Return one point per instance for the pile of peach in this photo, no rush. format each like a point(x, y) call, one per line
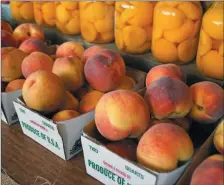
point(160, 120)
point(211, 170)
point(97, 21)
point(175, 31)
point(67, 17)
point(133, 33)
point(210, 59)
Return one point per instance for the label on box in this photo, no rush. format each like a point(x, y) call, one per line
point(40, 129)
point(109, 168)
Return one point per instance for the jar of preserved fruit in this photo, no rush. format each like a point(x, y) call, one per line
point(210, 60)
point(176, 29)
point(44, 12)
point(22, 11)
point(97, 21)
point(133, 26)
point(67, 17)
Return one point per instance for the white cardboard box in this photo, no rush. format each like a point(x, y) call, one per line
point(8, 112)
point(109, 168)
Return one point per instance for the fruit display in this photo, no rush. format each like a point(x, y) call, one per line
point(67, 17)
point(22, 11)
point(133, 26)
point(97, 21)
point(210, 59)
point(176, 28)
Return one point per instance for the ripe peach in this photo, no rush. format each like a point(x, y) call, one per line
point(208, 100)
point(70, 49)
point(163, 146)
point(105, 70)
point(31, 45)
point(7, 39)
point(47, 87)
point(27, 30)
point(89, 101)
point(71, 71)
point(127, 83)
point(70, 103)
point(218, 139)
point(125, 148)
point(120, 114)
point(168, 98)
point(12, 59)
point(170, 70)
point(14, 85)
point(91, 51)
point(209, 172)
point(36, 61)
point(6, 26)
point(65, 115)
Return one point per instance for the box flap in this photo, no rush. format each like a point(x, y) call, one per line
point(3, 115)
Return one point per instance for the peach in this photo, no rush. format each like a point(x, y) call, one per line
point(209, 172)
point(71, 71)
point(89, 101)
point(36, 61)
point(125, 148)
point(27, 30)
point(163, 146)
point(47, 87)
point(218, 139)
point(168, 98)
point(12, 59)
point(170, 70)
point(81, 92)
point(65, 115)
point(208, 102)
point(105, 70)
point(70, 49)
point(127, 83)
point(14, 85)
point(6, 26)
point(70, 103)
point(90, 52)
point(7, 39)
point(31, 45)
point(120, 114)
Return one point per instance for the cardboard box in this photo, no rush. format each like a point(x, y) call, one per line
point(110, 168)
point(8, 112)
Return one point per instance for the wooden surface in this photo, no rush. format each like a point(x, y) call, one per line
point(28, 163)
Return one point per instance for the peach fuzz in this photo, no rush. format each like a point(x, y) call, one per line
point(90, 52)
point(6, 26)
point(105, 70)
point(209, 172)
point(7, 39)
point(170, 70)
point(127, 83)
point(168, 98)
point(70, 103)
point(31, 45)
point(36, 61)
point(12, 59)
point(125, 148)
point(71, 71)
point(218, 139)
point(15, 85)
point(70, 49)
point(89, 101)
point(208, 102)
point(120, 114)
point(163, 146)
point(27, 30)
point(47, 87)
point(65, 115)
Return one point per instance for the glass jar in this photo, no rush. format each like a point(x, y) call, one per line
point(97, 21)
point(22, 11)
point(44, 13)
point(210, 49)
point(67, 17)
point(175, 31)
point(133, 32)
